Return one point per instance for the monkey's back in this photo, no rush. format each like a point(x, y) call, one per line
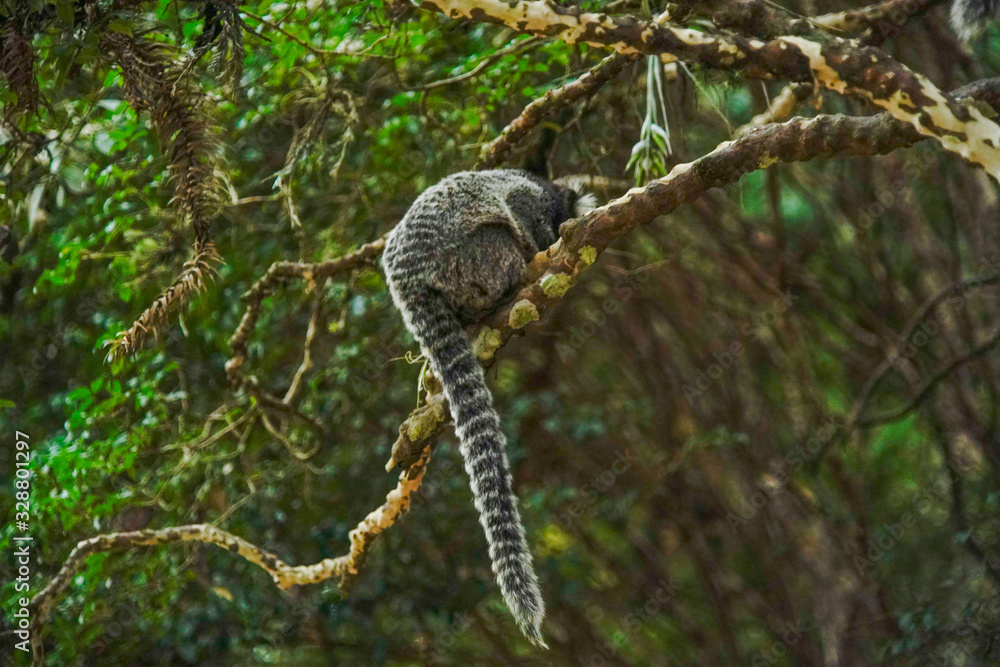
point(445, 215)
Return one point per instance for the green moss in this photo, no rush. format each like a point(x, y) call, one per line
point(421, 425)
point(556, 284)
point(486, 343)
point(523, 312)
point(588, 255)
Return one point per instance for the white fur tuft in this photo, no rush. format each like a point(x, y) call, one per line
point(585, 203)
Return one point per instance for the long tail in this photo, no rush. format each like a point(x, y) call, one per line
point(483, 445)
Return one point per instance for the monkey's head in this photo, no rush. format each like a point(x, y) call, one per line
point(575, 201)
point(567, 200)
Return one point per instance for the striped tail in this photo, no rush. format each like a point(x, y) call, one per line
point(432, 321)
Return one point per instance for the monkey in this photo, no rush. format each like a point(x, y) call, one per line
point(458, 253)
point(969, 17)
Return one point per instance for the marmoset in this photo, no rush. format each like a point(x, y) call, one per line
point(460, 251)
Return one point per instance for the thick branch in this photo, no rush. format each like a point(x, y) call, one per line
point(884, 19)
point(780, 109)
point(556, 270)
point(552, 274)
point(836, 64)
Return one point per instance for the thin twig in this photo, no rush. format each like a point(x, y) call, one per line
point(915, 320)
point(979, 351)
point(489, 60)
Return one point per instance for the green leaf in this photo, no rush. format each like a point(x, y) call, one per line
point(120, 25)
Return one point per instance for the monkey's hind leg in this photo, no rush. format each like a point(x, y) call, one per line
point(482, 273)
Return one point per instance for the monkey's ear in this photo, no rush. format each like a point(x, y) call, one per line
point(575, 201)
point(585, 203)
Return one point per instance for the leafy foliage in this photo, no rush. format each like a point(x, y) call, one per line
point(661, 420)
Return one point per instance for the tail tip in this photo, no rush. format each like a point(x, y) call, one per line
point(529, 619)
point(532, 630)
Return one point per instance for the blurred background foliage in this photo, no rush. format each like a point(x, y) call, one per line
point(663, 420)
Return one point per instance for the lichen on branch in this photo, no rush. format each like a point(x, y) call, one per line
point(839, 65)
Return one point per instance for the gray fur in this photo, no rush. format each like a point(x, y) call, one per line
point(458, 252)
point(969, 17)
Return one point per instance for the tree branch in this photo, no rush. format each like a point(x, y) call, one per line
point(278, 272)
point(836, 64)
point(883, 19)
point(495, 153)
point(556, 270)
point(904, 335)
point(551, 275)
point(344, 568)
point(975, 353)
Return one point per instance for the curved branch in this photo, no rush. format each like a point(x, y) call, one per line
point(552, 275)
point(904, 335)
point(836, 64)
point(928, 388)
point(495, 152)
point(278, 272)
point(344, 568)
point(554, 271)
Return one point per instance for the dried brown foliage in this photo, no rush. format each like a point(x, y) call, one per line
point(17, 64)
point(155, 318)
point(153, 84)
point(223, 29)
